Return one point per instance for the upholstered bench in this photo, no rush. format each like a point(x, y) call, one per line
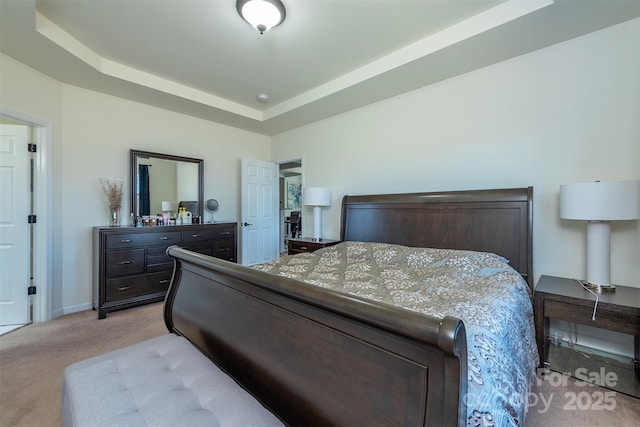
point(165, 381)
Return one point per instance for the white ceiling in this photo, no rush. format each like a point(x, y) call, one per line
point(329, 56)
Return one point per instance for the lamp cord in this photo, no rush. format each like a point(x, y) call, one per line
point(595, 306)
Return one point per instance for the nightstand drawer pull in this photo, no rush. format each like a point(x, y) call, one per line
point(224, 250)
point(164, 238)
point(196, 235)
point(126, 262)
point(124, 288)
point(125, 241)
point(304, 248)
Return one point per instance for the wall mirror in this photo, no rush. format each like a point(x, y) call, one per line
point(159, 182)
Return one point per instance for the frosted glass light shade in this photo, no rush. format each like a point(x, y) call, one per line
point(316, 196)
point(600, 201)
point(261, 14)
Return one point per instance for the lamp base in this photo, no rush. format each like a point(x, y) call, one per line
point(598, 288)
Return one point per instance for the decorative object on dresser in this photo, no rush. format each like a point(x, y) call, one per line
point(212, 205)
point(598, 203)
point(316, 197)
point(306, 244)
point(130, 265)
point(113, 191)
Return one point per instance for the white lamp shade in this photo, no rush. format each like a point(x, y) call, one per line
point(168, 206)
point(316, 196)
point(600, 201)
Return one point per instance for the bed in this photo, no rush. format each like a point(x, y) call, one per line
point(315, 355)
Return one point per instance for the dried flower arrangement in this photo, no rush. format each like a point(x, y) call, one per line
point(113, 191)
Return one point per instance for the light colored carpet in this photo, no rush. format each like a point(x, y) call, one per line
point(32, 360)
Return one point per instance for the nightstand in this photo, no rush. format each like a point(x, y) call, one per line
point(564, 299)
point(307, 244)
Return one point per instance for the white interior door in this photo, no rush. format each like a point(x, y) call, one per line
point(14, 229)
point(259, 212)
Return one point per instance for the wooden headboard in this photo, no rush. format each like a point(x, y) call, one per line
point(498, 221)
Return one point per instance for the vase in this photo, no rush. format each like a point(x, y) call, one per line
point(114, 216)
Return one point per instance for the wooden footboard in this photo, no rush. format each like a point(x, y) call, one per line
point(315, 356)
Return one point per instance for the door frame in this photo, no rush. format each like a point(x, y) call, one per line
point(43, 207)
point(302, 166)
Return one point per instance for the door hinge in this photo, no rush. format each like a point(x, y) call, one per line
point(31, 290)
point(31, 219)
point(33, 148)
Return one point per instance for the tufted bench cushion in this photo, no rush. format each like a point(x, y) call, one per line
point(164, 381)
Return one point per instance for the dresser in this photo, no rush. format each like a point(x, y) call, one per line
point(131, 267)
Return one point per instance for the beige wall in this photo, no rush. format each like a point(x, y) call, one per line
point(567, 113)
point(92, 136)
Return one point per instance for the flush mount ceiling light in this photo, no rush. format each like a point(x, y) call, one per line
point(261, 14)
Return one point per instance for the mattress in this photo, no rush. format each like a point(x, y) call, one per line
point(481, 289)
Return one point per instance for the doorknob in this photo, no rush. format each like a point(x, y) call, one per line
point(246, 224)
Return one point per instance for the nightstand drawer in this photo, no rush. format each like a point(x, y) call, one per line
point(303, 246)
point(581, 313)
point(306, 244)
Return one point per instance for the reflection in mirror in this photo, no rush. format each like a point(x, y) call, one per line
point(159, 182)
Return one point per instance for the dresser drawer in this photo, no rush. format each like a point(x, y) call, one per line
point(124, 263)
point(158, 260)
point(130, 287)
point(122, 241)
point(204, 247)
point(207, 234)
point(225, 249)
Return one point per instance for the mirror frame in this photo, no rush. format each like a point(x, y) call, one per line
point(135, 154)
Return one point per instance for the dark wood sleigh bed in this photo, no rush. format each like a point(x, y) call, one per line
point(319, 357)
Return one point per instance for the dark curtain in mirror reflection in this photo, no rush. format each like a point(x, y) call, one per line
point(145, 204)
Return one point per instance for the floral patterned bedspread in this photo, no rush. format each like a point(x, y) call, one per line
point(481, 289)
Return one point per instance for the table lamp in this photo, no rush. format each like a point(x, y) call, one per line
point(169, 207)
point(598, 203)
point(316, 197)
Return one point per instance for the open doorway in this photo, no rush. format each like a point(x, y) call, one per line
point(291, 184)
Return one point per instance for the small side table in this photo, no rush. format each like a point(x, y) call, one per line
point(564, 299)
point(307, 244)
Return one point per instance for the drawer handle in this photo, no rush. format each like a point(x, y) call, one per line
point(304, 248)
point(196, 235)
point(125, 262)
point(124, 288)
point(225, 233)
point(165, 238)
point(162, 282)
point(224, 249)
point(125, 241)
